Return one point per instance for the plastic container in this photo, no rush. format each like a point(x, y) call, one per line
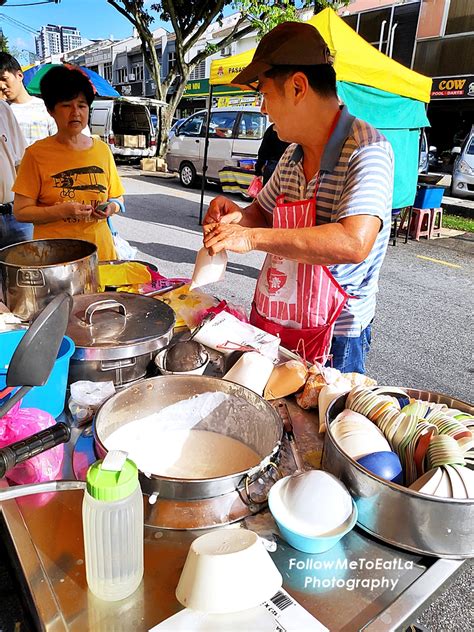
point(428, 196)
point(52, 395)
point(112, 517)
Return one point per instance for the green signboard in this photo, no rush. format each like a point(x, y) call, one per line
point(200, 88)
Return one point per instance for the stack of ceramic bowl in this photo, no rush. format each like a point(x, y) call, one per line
point(357, 435)
point(447, 481)
point(313, 510)
point(424, 435)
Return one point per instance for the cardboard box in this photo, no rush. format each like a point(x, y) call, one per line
point(148, 164)
point(135, 141)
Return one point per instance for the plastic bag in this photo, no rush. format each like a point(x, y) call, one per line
point(20, 423)
point(208, 268)
point(86, 397)
point(124, 249)
point(255, 186)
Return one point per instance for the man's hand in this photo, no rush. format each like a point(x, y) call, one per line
point(224, 211)
point(233, 237)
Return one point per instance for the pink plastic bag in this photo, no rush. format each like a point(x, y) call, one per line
point(20, 423)
point(255, 186)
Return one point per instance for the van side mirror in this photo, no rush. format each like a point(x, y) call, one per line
point(456, 150)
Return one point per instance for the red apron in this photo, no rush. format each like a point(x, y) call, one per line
point(298, 302)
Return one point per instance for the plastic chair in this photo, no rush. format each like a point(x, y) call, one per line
point(436, 221)
point(420, 223)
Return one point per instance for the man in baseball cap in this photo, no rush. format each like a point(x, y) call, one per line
point(324, 216)
point(290, 43)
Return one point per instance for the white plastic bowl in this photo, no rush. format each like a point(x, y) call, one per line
point(227, 570)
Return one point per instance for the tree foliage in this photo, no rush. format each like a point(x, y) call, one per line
point(189, 20)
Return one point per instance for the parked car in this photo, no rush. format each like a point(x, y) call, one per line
point(125, 125)
point(462, 184)
point(234, 134)
point(423, 164)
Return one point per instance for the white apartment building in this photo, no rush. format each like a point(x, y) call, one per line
point(55, 39)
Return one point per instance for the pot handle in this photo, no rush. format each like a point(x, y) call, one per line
point(40, 442)
point(100, 306)
point(252, 499)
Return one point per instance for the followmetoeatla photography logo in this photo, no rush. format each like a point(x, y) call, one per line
point(358, 573)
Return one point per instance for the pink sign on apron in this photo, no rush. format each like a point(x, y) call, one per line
point(297, 301)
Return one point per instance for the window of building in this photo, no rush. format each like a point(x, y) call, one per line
point(137, 73)
point(460, 17)
point(122, 75)
point(108, 72)
point(171, 59)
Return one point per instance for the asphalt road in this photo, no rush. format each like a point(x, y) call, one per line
point(423, 332)
point(424, 321)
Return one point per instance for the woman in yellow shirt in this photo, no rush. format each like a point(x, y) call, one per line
point(67, 184)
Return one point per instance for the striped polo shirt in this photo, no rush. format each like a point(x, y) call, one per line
point(356, 178)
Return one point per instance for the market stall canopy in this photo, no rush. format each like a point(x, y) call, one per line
point(374, 87)
point(32, 76)
point(356, 61)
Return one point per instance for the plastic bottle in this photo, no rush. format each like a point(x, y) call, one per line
point(112, 517)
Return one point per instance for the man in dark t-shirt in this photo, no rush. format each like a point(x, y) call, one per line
point(270, 152)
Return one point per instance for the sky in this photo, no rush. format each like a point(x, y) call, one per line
point(95, 19)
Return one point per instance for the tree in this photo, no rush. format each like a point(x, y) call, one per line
point(189, 20)
point(3, 43)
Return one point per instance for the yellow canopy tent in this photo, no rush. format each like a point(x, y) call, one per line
point(356, 61)
point(375, 88)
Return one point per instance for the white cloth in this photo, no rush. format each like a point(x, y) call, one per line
point(12, 147)
point(34, 120)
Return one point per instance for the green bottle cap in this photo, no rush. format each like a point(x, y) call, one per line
point(104, 483)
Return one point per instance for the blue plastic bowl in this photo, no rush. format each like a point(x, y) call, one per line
point(51, 396)
point(317, 543)
point(383, 464)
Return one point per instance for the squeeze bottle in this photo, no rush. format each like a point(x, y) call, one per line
point(112, 518)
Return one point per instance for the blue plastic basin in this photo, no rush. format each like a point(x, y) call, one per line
point(52, 395)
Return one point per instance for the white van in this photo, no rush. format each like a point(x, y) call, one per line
point(125, 125)
point(235, 134)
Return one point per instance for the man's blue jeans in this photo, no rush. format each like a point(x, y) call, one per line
point(11, 231)
point(349, 354)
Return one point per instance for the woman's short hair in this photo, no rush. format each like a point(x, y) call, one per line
point(62, 83)
point(321, 78)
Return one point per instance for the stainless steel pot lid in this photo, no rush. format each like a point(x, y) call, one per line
point(116, 325)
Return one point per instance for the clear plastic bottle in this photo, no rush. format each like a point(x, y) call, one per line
point(112, 517)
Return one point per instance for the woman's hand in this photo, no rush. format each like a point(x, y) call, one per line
point(224, 211)
point(104, 210)
point(75, 210)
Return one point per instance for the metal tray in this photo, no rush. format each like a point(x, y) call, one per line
point(395, 514)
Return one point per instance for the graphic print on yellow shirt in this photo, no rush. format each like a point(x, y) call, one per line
point(53, 174)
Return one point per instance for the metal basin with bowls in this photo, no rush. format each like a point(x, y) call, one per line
point(34, 272)
point(430, 525)
point(256, 424)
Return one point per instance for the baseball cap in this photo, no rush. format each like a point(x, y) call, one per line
point(288, 44)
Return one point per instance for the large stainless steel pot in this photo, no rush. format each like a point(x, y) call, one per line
point(426, 524)
point(259, 427)
point(117, 335)
point(34, 272)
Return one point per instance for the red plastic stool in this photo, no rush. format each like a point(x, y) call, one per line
point(420, 223)
point(436, 221)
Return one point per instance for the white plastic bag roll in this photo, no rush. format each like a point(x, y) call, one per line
point(252, 370)
point(207, 268)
